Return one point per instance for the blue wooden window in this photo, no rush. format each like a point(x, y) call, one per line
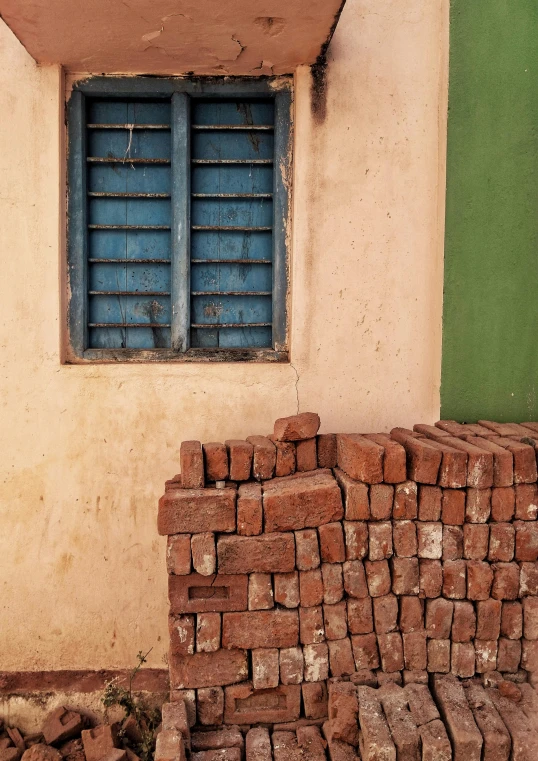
point(178, 214)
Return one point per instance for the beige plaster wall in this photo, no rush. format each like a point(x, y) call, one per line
point(85, 449)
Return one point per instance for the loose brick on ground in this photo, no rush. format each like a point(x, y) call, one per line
point(169, 747)
point(228, 737)
point(524, 737)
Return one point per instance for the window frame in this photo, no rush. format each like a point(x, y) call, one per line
point(179, 90)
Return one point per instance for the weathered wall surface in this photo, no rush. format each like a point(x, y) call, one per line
point(85, 450)
point(490, 362)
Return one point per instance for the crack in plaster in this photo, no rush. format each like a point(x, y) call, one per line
point(296, 385)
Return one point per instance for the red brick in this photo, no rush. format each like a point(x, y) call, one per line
point(311, 625)
point(326, 450)
point(525, 471)
point(430, 578)
point(479, 579)
point(503, 461)
point(204, 556)
point(381, 501)
point(429, 503)
point(411, 614)
point(439, 614)
point(359, 616)
point(333, 583)
point(261, 628)
point(391, 651)
point(297, 427)
point(394, 677)
point(188, 697)
point(364, 677)
point(207, 632)
point(196, 511)
point(460, 429)
point(463, 659)
point(478, 505)
point(530, 619)
point(438, 656)
point(405, 538)
point(331, 543)
point(240, 458)
point(454, 579)
point(178, 554)
point(405, 576)
point(218, 739)
point(415, 653)
point(463, 622)
point(355, 583)
point(377, 575)
point(528, 584)
point(311, 587)
point(385, 613)
point(423, 459)
point(501, 542)
point(208, 669)
point(268, 553)
point(475, 541)
point(453, 507)
point(503, 501)
point(380, 540)
point(452, 542)
point(356, 539)
point(316, 662)
point(304, 502)
point(529, 654)
point(170, 746)
point(522, 731)
point(526, 541)
point(360, 458)
point(174, 716)
point(207, 594)
point(430, 540)
point(59, 725)
point(216, 461)
point(249, 510)
point(402, 726)
point(485, 655)
point(526, 502)
point(365, 651)
point(192, 465)
point(285, 464)
point(265, 671)
point(244, 705)
point(315, 701)
point(479, 463)
point(508, 655)
point(488, 619)
point(291, 665)
point(260, 591)
point(512, 620)
point(464, 734)
point(394, 458)
point(340, 657)
point(453, 469)
point(307, 549)
point(496, 738)
point(375, 741)
point(264, 457)
point(355, 494)
point(334, 617)
point(343, 713)
point(421, 704)
point(405, 501)
point(287, 589)
point(306, 455)
point(505, 581)
point(499, 429)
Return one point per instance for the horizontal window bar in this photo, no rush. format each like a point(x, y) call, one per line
point(129, 227)
point(230, 261)
point(128, 324)
point(122, 160)
point(233, 126)
point(128, 126)
point(223, 228)
point(129, 261)
point(232, 195)
point(94, 194)
point(129, 293)
point(232, 161)
point(218, 325)
point(231, 293)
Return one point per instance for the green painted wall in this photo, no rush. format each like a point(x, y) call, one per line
point(490, 330)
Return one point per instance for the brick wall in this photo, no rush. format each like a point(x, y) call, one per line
point(298, 558)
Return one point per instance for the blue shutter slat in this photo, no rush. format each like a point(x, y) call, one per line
point(131, 280)
point(207, 244)
point(252, 212)
point(231, 277)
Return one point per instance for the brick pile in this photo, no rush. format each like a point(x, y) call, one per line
point(301, 559)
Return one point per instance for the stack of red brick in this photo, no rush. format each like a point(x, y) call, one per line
point(299, 557)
